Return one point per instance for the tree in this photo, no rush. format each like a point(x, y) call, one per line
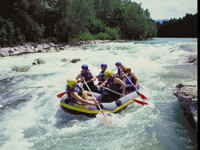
point(182, 27)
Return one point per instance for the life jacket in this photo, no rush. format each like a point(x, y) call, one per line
point(87, 76)
point(114, 87)
point(131, 79)
point(76, 89)
point(102, 76)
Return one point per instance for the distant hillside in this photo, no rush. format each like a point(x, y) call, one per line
point(182, 27)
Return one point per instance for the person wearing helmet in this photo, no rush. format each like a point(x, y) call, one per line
point(75, 92)
point(114, 84)
point(88, 77)
point(131, 77)
point(101, 76)
point(120, 68)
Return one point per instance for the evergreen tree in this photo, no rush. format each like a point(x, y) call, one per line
point(182, 27)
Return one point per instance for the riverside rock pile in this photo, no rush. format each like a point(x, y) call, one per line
point(32, 48)
point(187, 97)
point(43, 47)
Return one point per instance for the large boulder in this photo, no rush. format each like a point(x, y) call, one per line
point(38, 61)
point(187, 97)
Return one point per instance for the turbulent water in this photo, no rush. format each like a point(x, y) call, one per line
point(31, 117)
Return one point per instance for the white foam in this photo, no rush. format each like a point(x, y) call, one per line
point(42, 112)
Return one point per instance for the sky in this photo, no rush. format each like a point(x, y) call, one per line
point(167, 9)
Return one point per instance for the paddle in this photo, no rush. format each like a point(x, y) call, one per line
point(98, 104)
point(61, 94)
point(137, 101)
point(141, 95)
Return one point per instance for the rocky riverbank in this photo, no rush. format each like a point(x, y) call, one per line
point(43, 47)
point(188, 99)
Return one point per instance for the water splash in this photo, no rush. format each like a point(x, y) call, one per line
point(34, 119)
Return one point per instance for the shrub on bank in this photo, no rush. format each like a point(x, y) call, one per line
point(85, 36)
point(113, 33)
point(103, 36)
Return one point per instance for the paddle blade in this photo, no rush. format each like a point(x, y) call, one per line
point(61, 94)
point(105, 118)
point(142, 96)
point(140, 102)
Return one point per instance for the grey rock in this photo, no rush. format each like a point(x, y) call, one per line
point(4, 53)
point(188, 99)
point(10, 52)
point(62, 48)
point(192, 59)
point(38, 61)
point(20, 69)
point(67, 46)
point(45, 45)
point(64, 60)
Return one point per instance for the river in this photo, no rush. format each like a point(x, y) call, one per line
point(31, 117)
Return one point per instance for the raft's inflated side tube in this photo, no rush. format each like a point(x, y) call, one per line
point(76, 107)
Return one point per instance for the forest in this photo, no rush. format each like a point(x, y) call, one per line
point(37, 21)
point(182, 27)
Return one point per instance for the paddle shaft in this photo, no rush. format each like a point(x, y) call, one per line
point(115, 92)
point(129, 80)
point(98, 104)
point(84, 83)
point(141, 95)
point(137, 101)
point(92, 95)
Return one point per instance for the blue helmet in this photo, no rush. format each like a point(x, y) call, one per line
point(104, 65)
point(118, 63)
point(85, 67)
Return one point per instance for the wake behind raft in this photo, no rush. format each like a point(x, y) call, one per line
point(75, 107)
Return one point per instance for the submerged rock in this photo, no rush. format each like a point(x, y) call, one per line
point(75, 60)
point(187, 97)
point(20, 69)
point(38, 61)
point(192, 59)
point(63, 60)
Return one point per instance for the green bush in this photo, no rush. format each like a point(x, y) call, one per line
point(113, 33)
point(103, 36)
point(84, 36)
point(87, 36)
point(97, 26)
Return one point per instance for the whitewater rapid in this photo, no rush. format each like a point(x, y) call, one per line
point(31, 117)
